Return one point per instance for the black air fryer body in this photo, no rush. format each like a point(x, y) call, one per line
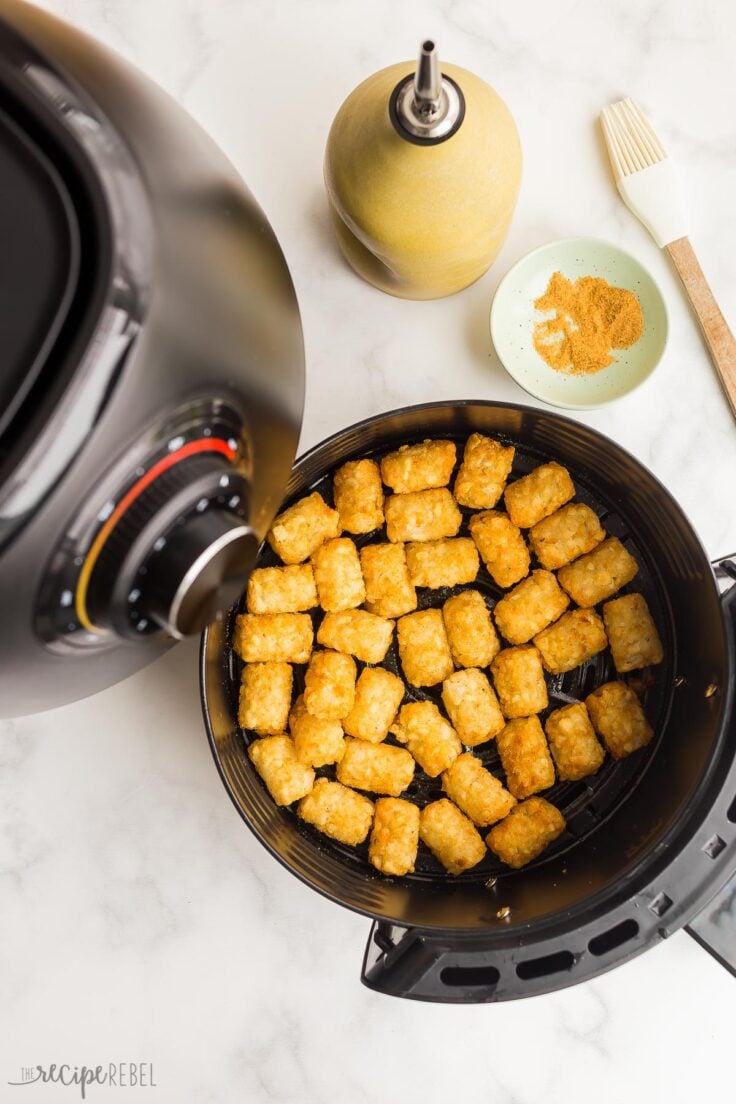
point(151, 385)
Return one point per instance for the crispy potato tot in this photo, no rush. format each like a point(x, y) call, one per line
point(619, 719)
point(423, 648)
point(451, 837)
point(470, 632)
point(530, 607)
point(483, 472)
point(538, 494)
point(422, 516)
point(273, 637)
point(525, 757)
point(395, 836)
point(357, 632)
point(519, 681)
point(302, 528)
point(337, 811)
point(317, 740)
point(338, 576)
point(573, 743)
point(429, 737)
point(281, 589)
point(286, 779)
point(388, 589)
point(378, 695)
point(528, 829)
point(442, 563)
point(380, 768)
point(265, 698)
point(593, 578)
point(559, 539)
point(501, 546)
point(419, 467)
point(472, 706)
point(632, 633)
point(329, 685)
point(475, 790)
point(359, 496)
point(576, 637)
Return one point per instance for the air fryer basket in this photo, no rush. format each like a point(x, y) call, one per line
point(632, 861)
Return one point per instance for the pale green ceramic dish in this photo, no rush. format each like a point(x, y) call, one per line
point(513, 317)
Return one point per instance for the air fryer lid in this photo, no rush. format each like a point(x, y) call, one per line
point(39, 261)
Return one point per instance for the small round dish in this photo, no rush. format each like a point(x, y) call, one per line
point(513, 317)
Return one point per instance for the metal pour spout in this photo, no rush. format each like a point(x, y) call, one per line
point(427, 108)
point(427, 81)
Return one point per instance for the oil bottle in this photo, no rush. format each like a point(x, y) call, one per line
point(422, 170)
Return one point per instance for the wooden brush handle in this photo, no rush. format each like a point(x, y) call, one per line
point(718, 337)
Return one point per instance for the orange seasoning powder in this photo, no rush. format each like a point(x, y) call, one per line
point(590, 318)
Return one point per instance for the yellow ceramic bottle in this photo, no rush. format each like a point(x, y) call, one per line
point(422, 171)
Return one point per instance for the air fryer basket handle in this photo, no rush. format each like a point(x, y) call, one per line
point(715, 927)
point(422, 965)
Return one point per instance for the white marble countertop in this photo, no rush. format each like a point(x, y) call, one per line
point(140, 920)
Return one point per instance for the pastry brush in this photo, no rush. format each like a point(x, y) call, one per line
point(647, 181)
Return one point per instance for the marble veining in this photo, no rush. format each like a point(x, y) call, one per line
point(139, 919)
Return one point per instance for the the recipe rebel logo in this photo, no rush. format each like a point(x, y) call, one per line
point(118, 1075)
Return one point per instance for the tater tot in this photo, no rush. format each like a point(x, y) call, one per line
point(470, 632)
point(357, 632)
point(285, 777)
point(317, 741)
point(519, 681)
point(528, 829)
point(303, 527)
point(338, 576)
point(378, 695)
point(265, 697)
point(501, 546)
point(568, 533)
point(593, 578)
point(429, 737)
point(422, 516)
point(618, 718)
point(525, 757)
point(423, 648)
point(442, 563)
point(329, 685)
point(576, 637)
point(339, 812)
point(279, 637)
point(359, 496)
point(395, 836)
point(530, 607)
point(475, 790)
point(389, 591)
point(419, 467)
point(483, 473)
point(472, 706)
point(573, 743)
point(281, 589)
point(452, 838)
point(632, 633)
point(538, 494)
point(380, 768)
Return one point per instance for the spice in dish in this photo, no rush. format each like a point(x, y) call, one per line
point(591, 317)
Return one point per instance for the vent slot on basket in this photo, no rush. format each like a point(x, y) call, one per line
point(543, 967)
point(460, 976)
point(614, 937)
point(731, 813)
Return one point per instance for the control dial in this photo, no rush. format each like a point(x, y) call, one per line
point(177, 556)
